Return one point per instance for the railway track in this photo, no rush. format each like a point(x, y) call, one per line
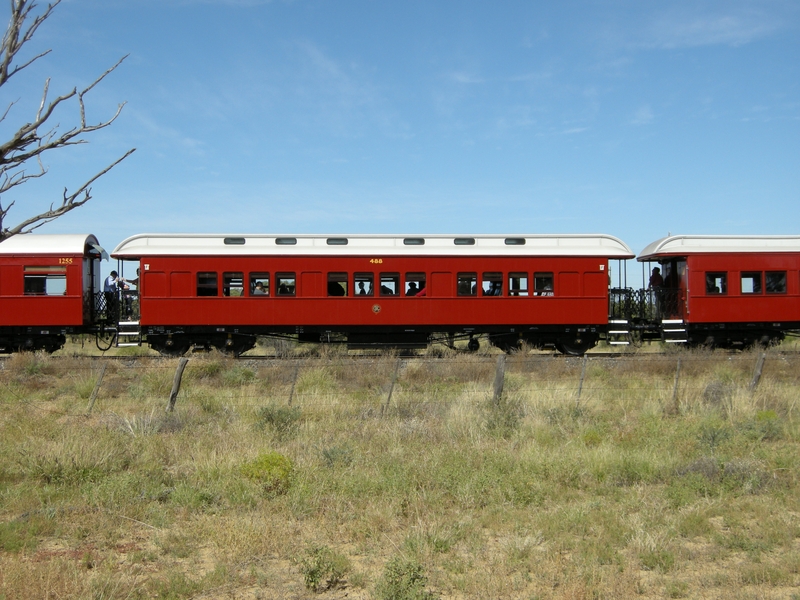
point(400, 355)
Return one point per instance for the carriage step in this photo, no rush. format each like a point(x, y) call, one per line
point(619, 334)
point(673, 331)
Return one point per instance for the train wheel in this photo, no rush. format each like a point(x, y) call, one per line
point(574, 347)
point(506, 343)
point(473, 345)
point(53, 343)
point(174, 351)
point(174, 347)
point(234, 345)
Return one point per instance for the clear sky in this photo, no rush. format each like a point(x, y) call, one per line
point(634, 118)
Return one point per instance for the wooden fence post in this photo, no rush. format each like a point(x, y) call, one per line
point(757, 371)
point(294, 381)
point(96, 389)
point(580, 383)
point(499, 378)
point(391, 387)
point(176, 384)
point(675, 386)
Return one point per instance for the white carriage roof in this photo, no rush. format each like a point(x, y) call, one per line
point(676, 245)
point(378, 245)
point(50, 244)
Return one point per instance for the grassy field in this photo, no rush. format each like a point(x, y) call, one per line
point(634, 477)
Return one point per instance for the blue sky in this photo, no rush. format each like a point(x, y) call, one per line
point(633, 118)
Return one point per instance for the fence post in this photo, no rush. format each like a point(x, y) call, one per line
point(96, 389)
point(580, 383)
point(176, 384)
point(757, 372)
point(499, 378)
point(391, 387)
point(675, 386)
point(294, 381)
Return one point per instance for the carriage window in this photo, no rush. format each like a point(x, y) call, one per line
point(207, 284)
point(45, 281)
point(543, 284)
point(415, 283)
point(776, 282)
point(286, 284)
point(337, 284)
point(390, 284)
point(716, 283)
point(233, 284)
point(751, 283)
point(363, 284)
point(492, 284)
point(517, 284)
point(467, 284)
point(259, 284)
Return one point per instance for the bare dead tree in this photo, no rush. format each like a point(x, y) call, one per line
point(21, 156)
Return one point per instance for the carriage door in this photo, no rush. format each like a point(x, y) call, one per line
point(674, 290)
point(91, 287)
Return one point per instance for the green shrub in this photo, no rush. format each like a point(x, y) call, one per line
point(503, 417)
point(323, 568)
point(658, 560)
point(238, 376)
point(282, 420)
point(272, 470)
point(337, 456)
point(403, 579)
point(767, 427)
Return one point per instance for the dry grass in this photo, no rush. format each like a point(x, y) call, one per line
point(636, 488)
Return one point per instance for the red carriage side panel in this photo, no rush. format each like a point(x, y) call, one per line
point(221, 290)
point(48, 287)
point(743, 288)
point(580, 294)
point(41, 290)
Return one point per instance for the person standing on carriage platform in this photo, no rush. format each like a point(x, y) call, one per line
point(657, 285)
point(111, 292)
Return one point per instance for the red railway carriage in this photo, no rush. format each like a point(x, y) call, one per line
point(727, 291)
point(48, 287)
point(371, 290)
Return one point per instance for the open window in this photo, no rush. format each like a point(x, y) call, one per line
point(467, 284)
point(45, 281)
point(543, 284)
point(286, 284)
point(776, 282)
point(517, 284)
point(716, 283)
point(415, 283)
point(337, 284)
point(364, 284)
point(259, 284)
point(390, 284)
point(751, 283)
point(233, 284)
point(492, 284)
point(207, 284)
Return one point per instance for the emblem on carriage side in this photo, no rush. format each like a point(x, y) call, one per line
point(376, 308)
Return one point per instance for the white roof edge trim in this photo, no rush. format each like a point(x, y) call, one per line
point(53, 243)
point(707, 244)
point(161, 244)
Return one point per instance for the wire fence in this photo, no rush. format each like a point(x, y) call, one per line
point(82, 385)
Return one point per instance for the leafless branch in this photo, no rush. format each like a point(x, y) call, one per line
point(68, 202)
point(21, 155)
